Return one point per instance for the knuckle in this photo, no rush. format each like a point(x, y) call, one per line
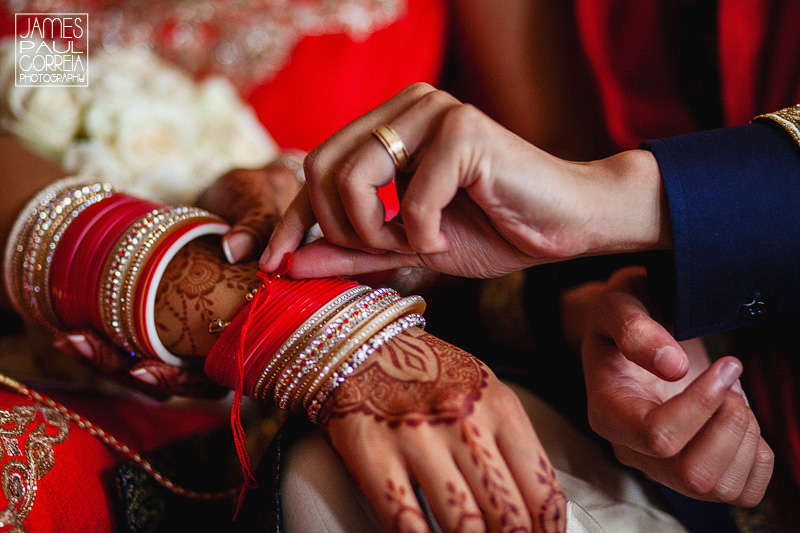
point(737, 417)
point(313, 165)
point(418, 90)
point(632, 329)
point(463, 121)
point(765, 457)
point(434, 100)
point(414, 210)
point(728, 490)
point(661, 440)
point(506, 402)
point(698, 480)
point(347, 175)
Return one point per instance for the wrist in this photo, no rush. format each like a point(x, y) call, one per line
point(634, 215)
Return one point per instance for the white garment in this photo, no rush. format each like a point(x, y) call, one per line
point(317, 495)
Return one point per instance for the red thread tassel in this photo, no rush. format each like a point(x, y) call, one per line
point(261, 299)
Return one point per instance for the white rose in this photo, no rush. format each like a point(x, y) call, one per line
point(138, 72)
point(231, 128)
point(47, 118)
point(97, 160)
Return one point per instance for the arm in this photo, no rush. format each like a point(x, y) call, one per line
point(733, 197)
point(441, 419)
point(23, 173)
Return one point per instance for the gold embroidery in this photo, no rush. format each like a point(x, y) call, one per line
point(27, 456)
point(247, 41)
point(789, 120)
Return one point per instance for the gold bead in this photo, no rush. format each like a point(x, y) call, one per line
point(216, 326)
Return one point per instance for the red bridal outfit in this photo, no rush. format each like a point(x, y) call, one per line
point(307, 68)
point(665, 68)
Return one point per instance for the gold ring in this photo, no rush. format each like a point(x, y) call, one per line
point(393, 144)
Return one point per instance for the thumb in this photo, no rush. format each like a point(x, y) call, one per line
point(289, 232)
point(321, 258)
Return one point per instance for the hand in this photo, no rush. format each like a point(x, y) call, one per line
point(477, 200)
point(252, 201)
point(423, 412)
point(152, 377)
point(696, 435)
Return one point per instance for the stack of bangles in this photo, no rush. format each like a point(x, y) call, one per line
point(82, 255)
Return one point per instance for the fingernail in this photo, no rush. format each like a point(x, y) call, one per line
point(729, 373)
point(237, 246)
point(668, 361)
point(266, 255)
point(737, 387)
point(142, 374)
point(80, 343)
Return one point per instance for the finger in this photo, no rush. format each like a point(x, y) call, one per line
point(369, 167)
point(535, 478)
point(385, 483)
point(289, 232)
point(448, 494)
point(322, 164)
point(664, 430)
point(166, 379)
point(321, 259)
point(491, 481)
point(443, 168)
point(759, 477)
point(627, 321)
point(104, 356)
point(240, 243)
point(704, 461)
point(732, 482)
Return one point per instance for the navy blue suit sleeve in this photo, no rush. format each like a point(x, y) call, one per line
point(734, 204)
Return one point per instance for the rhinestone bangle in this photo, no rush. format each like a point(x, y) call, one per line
point(293, 344)
point(410, 304)
point(359, 357)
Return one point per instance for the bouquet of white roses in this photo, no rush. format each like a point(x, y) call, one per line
point(141, 124)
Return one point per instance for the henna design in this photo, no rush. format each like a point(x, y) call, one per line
point(458, 499)
point(396, 495)
point(197, 287)
point(551, 519)
point(415, 378)
point(492, 478)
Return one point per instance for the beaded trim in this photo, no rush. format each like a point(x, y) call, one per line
point(788, 118)
point(359, 356)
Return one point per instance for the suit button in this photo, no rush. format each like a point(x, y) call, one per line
point(755, 308)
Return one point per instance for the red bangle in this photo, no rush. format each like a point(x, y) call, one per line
point(274, 332)
point(146, 291)
point(73, 271)
point(267, 331)
point(99, 250)
point(64, 256)
point(292, 320)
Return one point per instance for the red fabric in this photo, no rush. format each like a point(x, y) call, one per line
point(626, 45)
point(74, 495)
point(332, 80)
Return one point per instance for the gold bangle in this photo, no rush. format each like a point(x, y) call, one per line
point(788, 118)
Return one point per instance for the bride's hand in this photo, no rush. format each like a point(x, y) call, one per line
point(422, 412)
point(252, 201)
point(152, 377)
